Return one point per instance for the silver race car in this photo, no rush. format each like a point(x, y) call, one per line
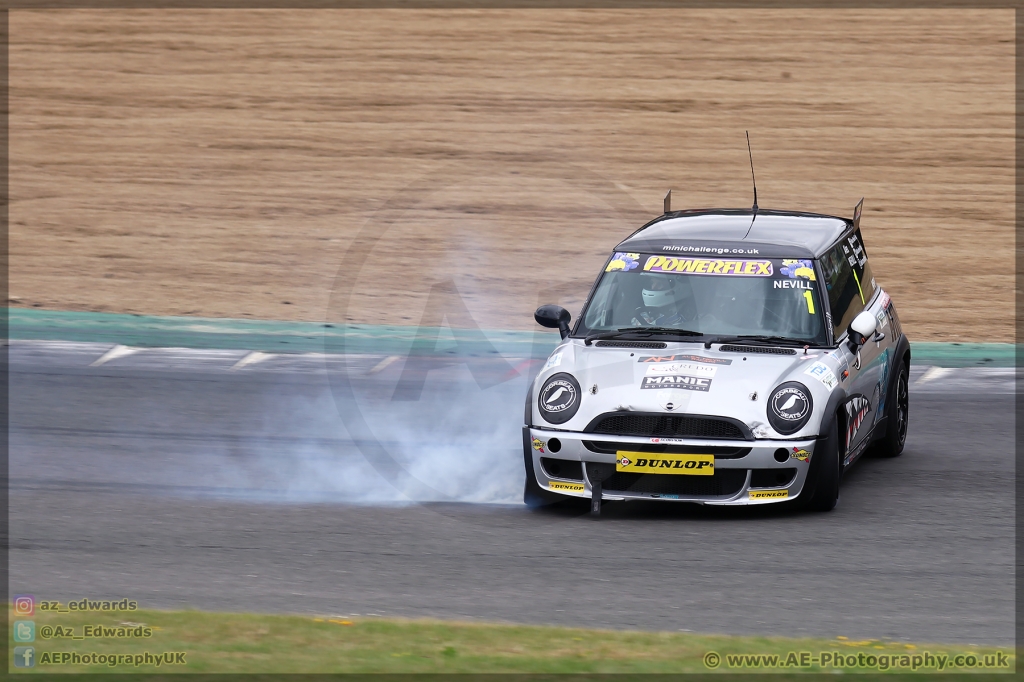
point(727, 357)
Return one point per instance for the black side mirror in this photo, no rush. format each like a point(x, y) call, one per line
point(553, 317)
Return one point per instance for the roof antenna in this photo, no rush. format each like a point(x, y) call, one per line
point(752, 180)
point(668, 202)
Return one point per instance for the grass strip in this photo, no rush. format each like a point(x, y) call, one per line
point(276, 644)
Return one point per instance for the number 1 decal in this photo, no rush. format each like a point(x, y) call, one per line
point(810, 303)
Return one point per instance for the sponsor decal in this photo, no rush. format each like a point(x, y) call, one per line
point(793, 284)
point(538, 445)
point(709, 266)
point(790, 404)
point(883, 382)
point(711, 249)
point(677, 381)
point(667, 440)
point(789, 407)
point(681, 368)
point(824, 374)
point(559, 396)
point(554, 361)
point(559, 399)
point(647, 463)
point(795, 269)
point(858, 250)
point(684, 358)
point(562, 486)
point(882, 318)
point(856, 409)
point(768, 494)
point(800, 454)
point(884, 299)
point(623, 261)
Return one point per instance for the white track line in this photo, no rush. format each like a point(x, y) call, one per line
point(934, 373)
point(383, 364)
point(114, 353)
point(251, 359)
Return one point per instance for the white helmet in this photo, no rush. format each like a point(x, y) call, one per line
point(659, 291)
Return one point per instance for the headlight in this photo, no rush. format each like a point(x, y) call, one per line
point(559, 398)
point(789, 407)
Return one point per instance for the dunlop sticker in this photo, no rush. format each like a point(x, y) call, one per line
point(768, 494)
point(648, 463)
point(566, 487)
point(709, 266)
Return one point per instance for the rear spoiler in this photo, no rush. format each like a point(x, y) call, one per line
point(856, 213)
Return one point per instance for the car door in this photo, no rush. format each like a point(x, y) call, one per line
point(852, 289)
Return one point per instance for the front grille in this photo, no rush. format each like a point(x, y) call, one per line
point(632, 344)
point(653, 425)
point(758, 349)
point(611, 447)
point(562, 468)
point(723, 483)
point(771, 478)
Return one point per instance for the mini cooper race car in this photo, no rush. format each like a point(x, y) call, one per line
point(726, 357)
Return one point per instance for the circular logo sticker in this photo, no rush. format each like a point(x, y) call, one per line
point(625, 461)
point(559, 398)
point(789, 408)
point(790, 404)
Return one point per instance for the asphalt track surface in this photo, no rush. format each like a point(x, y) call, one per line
point(170, 478)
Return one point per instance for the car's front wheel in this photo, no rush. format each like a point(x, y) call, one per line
point(821, 489)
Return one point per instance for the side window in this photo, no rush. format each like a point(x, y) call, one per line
point(849, 281)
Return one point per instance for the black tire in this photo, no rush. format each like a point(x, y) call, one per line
point(898, 416)
point(533, 494)
point(821, 489)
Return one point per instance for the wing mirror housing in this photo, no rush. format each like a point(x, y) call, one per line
point(554, 317)
point(861, 328)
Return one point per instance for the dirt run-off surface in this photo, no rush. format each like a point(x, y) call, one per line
point(221, 163)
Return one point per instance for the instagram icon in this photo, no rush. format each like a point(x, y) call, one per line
point(24, 605)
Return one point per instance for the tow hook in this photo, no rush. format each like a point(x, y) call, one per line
point(598, 473)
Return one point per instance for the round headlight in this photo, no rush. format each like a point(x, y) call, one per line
point(559, 398)
point(789, 407)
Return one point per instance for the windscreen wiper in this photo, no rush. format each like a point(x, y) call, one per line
point(640, 331)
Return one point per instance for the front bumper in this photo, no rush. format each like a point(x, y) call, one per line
point(750, 479)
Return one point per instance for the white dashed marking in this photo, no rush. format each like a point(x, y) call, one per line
point(383, 364)
point(251, 359)
point(934, 373)
point(114, 353)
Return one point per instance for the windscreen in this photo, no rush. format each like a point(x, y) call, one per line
point(716, 297)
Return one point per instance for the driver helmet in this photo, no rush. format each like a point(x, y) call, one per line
point(659, 291)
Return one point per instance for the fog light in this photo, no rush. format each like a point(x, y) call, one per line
point(554, 445)
point(781, 455)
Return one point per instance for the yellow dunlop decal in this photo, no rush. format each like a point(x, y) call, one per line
point(566, 487)
point(650, 463)
point(768, 494)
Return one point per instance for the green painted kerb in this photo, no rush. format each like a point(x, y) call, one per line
point(314, 337)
